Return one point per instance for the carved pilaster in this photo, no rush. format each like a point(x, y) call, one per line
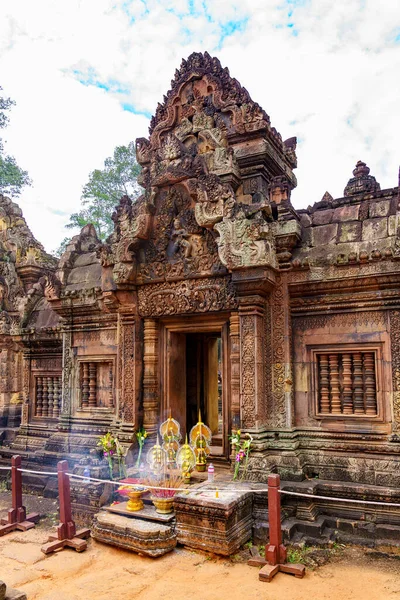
point(394, 317)
point(281, 413)
point(129, 369)
point(25, 388)
point(67, 367)
point(252, 365)
point(150, 379)
point(234, 329)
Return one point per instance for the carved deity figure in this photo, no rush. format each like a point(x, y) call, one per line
point(181, 239)
point(244, 241)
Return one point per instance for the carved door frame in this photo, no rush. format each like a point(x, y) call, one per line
point(199, 324)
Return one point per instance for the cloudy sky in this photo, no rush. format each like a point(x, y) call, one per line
point(87, 76)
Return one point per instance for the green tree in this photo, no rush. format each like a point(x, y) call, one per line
point(105, 188)
point(12, 177)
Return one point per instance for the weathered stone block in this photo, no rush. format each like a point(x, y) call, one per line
point(2, 590)
point(219, 525)
point(393, 221)
point(322, 217)
point(326, 234)
point(346, 213)
point(145, 537)
point(349, 232)
point(379, 209)
point(374, 229)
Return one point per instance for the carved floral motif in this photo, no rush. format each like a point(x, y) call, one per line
point(193, 295)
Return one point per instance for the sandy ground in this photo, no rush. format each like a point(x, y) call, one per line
point(103, 572)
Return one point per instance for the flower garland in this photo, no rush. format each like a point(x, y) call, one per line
point(241, 448)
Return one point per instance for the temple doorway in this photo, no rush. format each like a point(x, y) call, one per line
point(195, 381)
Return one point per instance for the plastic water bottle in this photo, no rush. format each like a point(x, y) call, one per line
point(86, 474)
point(210, 473)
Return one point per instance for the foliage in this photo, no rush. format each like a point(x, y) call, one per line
point(141, 435)
point(111, 447)
point(12, 177)
point(241, 447)
point(105, 188)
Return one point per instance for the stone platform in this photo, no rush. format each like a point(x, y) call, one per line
point(219, 525)
point(148, 537)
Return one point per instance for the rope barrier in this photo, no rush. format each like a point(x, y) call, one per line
point(216, 489)
point(37, 472)
point(339, 499)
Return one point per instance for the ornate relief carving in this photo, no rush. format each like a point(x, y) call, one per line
point(394, 317)
point(373, 318)
point(234, 331)
point(245, 242)
point(67, 367)
point(278, 417)
point(127, 372)
point(193, 295)
point(248, 373)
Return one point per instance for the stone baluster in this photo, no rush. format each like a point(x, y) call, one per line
point(347, 385)
point(358, 399)
point(45, 403)
point(334, 384)
point(370, 383)
point(324, 404)
point(50, 396)
point(85, 384)
point(111, 386)
point(56, 396)
point(39, 396)
point(92, 384)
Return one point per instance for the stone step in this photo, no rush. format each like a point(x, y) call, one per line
point(142, 536)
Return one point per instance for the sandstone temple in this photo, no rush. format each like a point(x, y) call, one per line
point(213, 293)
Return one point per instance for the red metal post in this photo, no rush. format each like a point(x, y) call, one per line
point(275, 552)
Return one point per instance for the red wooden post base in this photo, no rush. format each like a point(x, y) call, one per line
point(67, 536)
point(275, 551)
point(17, 517)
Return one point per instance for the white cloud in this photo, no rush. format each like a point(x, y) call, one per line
point(326, 72)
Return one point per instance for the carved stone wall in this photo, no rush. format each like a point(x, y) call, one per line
point(357, 333)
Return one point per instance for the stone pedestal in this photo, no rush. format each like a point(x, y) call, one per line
point(220, 525)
